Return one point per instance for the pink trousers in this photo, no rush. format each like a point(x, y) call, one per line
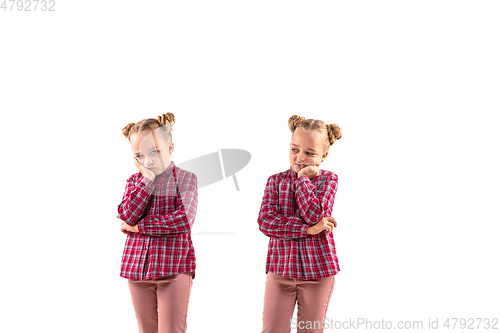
point(311, 296)
point(161, 303)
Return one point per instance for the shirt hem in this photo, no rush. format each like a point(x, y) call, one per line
point(321, 276)
point(157, 276)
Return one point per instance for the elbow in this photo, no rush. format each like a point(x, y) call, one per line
point(130, 221)
point(316, 219)
point(190, 223)
point(188, 218)
point(310, 219)
point(127, 217)
point(316, 216)
point(264, 229)
point(186, 224)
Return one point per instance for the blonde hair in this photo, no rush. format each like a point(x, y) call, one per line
point(330, 133)
point(163, 122)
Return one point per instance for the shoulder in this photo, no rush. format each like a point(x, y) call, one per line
point(329, 179)
point(185, 175)
point(134, 178)
point(280, 176)
point(326, 175)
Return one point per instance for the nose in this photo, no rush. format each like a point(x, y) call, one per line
point(301, 158)
point(148, 161)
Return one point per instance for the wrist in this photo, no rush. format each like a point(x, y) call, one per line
point(310, 230)
point(147, 184)
point(149, 178)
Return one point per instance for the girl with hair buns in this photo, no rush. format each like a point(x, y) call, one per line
point(157, 210)
point(296, 216)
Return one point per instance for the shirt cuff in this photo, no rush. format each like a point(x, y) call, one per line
point(139, 226)
point(304, 230)
point(301, 180)
point(148, 184)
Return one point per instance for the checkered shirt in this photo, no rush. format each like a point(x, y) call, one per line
point(290, 205)
point(164, 211)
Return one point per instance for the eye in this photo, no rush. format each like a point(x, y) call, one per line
point(154, 152)
point(311, 154)
point(294, 150)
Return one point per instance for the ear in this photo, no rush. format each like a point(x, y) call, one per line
point(324, 156)
point(171, 148)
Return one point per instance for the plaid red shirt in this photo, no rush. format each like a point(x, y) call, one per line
point(164, 211)
point(290, 205)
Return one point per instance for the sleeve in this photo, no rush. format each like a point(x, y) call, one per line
point(273, 224)
point(314, 207)
point(135, 199)
point(182, 219)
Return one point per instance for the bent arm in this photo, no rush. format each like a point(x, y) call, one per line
point(182, 219)
point(314, 207)
point(135, 199)
point(274, 224)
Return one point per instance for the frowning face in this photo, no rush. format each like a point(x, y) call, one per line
point(306, 148)
point(152, 151)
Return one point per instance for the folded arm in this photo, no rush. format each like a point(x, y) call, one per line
point(274, 224)
point(314, 207)
point(182, 219)
point(135, 199)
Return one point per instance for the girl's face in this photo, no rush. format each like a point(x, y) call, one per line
point(151, 151)
point(306, 148)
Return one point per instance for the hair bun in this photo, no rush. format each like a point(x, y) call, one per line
point(166, 120)
point(334, 133)
point(126, 130)
point(294, 121)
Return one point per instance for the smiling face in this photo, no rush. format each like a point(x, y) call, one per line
point(306, 148)
point(152, 151)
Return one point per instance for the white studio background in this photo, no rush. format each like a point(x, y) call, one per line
point(413, 85)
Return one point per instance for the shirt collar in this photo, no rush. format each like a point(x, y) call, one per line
point(165, 174)
point(292, 173)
